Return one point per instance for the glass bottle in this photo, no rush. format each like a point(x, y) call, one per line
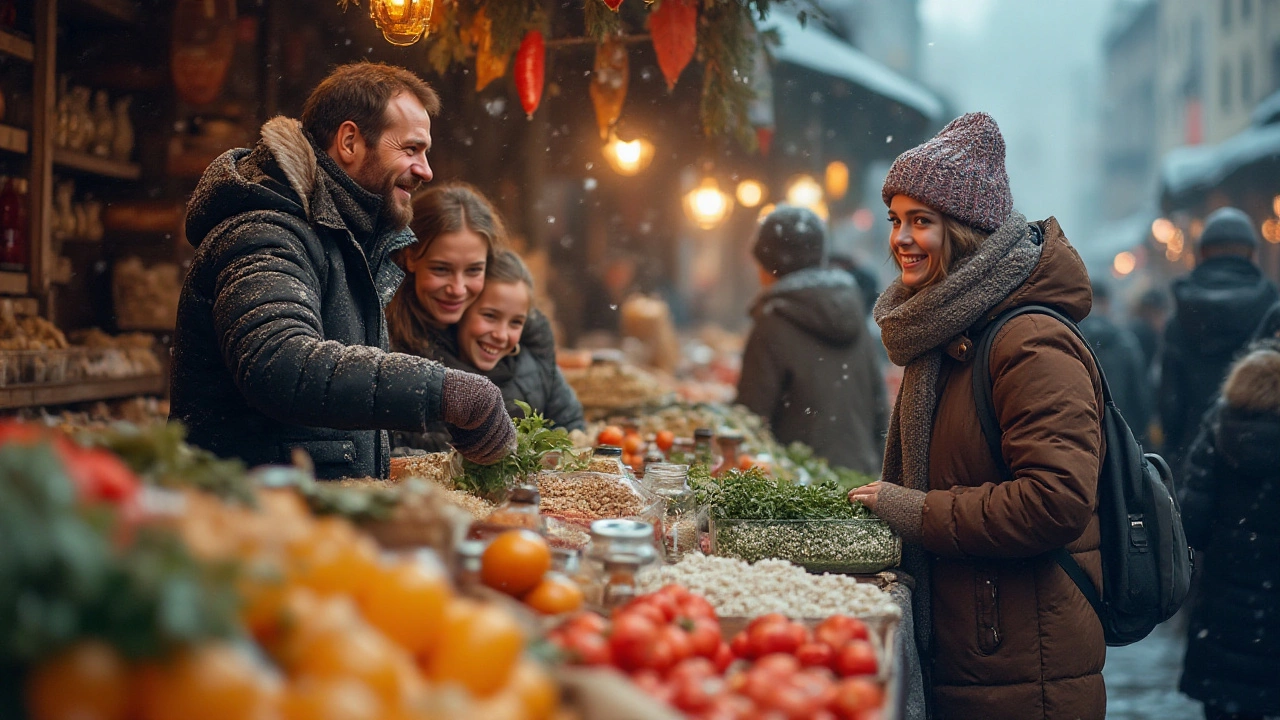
point(14, 246)
point(607, 459)
point(619, 549)
point(730, 445)
point(703, 450)
point(519, 511)
point(680, 512)
point(652, 455)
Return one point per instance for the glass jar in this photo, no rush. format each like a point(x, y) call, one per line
point(704, 452)
point(681, 514)
point(607, 459)
point(520, 511)
point(730, 445)
point(619, 549)
point(681, 451)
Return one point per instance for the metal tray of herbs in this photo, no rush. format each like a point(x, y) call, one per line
point(846, 545)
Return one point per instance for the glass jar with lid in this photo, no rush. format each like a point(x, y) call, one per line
point(681, 514)
point(729, 443)
point(704, 450)
point(619, 549)
point(607, 459)
point(521, 510)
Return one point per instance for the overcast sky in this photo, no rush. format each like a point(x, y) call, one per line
point(1035, 65)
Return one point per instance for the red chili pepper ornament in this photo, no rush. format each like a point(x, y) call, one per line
point(674, 28)
point(531, 60)
point(613, 4)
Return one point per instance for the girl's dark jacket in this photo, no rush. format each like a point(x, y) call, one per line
point(1230, 505)
point(531, 376)
point(281, 342)
point(810, 368)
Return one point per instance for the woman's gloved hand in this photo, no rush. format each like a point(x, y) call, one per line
point(482, 430)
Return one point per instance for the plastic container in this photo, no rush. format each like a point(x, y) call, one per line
point(855, 546)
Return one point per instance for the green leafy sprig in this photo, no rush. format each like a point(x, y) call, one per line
point(536, 438)
point(753, 495)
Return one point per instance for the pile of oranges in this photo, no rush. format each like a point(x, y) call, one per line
point(518, 563)
point(633, 444)
point(347, 635)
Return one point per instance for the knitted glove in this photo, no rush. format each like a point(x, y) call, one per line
point(903, 510)
point(482, 430)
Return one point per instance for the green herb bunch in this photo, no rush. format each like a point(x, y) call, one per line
point(753, 495)
point(535, 439)
point(802, 456)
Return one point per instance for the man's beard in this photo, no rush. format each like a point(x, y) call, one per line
point(374, 177)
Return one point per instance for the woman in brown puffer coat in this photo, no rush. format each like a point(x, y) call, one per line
point(1001, 630)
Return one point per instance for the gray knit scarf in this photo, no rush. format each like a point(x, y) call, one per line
point(916, 328)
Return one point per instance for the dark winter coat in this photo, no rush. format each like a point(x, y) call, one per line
point(809, 369)
point(1010, 628)
point(281, 339)
point(1217, 310)
point(532, 376)
point(1125, 366)
point(1230, 505)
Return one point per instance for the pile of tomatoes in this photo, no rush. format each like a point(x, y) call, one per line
point(633, 444)
point(669, 643)
point(518, 563)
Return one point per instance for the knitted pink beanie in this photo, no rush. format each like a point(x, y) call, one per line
point(959, 172)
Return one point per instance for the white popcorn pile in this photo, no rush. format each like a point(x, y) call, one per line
point(740, 589)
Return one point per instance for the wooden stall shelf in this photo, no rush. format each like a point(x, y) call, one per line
point(94, 165)
point(13, 283)
point(84, 391)
point(14, 139)
point(15, 46)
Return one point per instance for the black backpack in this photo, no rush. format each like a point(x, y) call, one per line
point(1146, 562)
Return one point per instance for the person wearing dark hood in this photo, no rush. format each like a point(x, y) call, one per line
point(1217, 309)
point(1230, 499)
point(1122, 360)
point(808, 367)
point(281, 342)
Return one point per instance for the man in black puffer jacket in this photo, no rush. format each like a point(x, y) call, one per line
point(809, 367)
point(1217, 309)
point(281, 339)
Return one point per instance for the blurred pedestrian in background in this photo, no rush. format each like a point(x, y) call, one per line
point(1216, 312)
point(1122, 360)
point(1147, 319)
point(1230, 502)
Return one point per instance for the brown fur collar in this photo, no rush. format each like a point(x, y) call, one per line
point(284, 138)
point(1253, 384)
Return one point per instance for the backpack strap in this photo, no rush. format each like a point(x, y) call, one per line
point(992, 433)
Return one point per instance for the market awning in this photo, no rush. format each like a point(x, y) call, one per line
point(1199, 168)
point(809, 46)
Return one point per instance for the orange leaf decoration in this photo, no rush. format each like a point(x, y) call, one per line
point(674, 28)
point(489, 67)
point(531, 61)
point(609, 79)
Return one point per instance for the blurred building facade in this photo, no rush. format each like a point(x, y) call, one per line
point(1130, 152)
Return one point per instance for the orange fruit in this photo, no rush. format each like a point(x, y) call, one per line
point(312, 698)
point(633, 444)
point(554, 595)
point(406, 602)
point(362, 654)
point(478, 649)
point(611, 435)
point(336, 562)
point(305, 616)
point(536, 690)
point(515, 562)
point(88, 681)
point(263, 589)
point(665, 440)
point(208, 682)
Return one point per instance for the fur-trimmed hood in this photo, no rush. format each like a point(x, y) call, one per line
point(287, 173)
point(824, 302)
point(1253, 385)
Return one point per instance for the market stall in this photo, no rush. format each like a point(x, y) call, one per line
point(558, 583)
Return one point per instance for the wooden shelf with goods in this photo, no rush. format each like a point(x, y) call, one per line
point(21, 396)
point(13, 283)
point(15, 46)
point(94, 165)
point(14, 140)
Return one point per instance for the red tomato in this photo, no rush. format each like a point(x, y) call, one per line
point(679, 642)
point(694, 694)
point(587, 621)
point(651, 683)
point(817, 683)
point(611, 435)
point(789, 700)
point(696, 606)
point(692, 667)
point(855, 696)
point(840, 629)
point(857, 657)
point(633, 444)
point(777, 665)
point(704, 634)
point(723, 658)
point(776, 637)
point(586, 647)
point(635, 643)
point(12, 431)
point(100, 475)
point(646, 610)
point(815, 654)
point(731, 707)
point(740, 646)
point(765, 619)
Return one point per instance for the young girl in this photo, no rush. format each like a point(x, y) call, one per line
point(504, 338)
point(1001, 630)
point(458, 233)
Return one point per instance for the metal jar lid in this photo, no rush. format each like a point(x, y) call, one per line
point(607, 451)
point(621, 529)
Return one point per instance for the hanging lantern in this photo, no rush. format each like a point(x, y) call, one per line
point(837, 179)
point(706, 205)
point(609, 79)
point(805, 192)
point(402, 22)
point(531, 61)
point(674, 28)
point(628, 158)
